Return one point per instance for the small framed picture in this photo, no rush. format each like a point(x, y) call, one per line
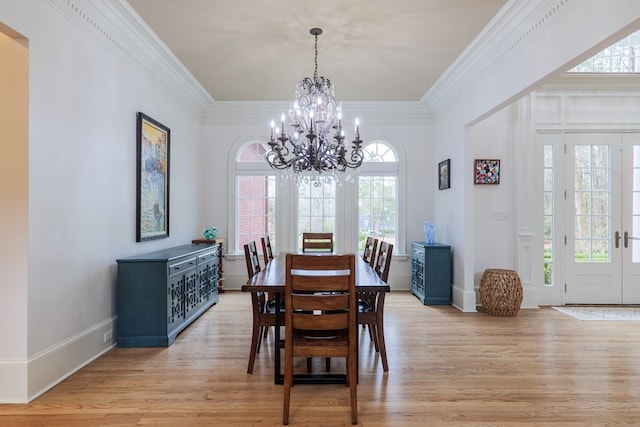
point(487, 171)
point(444, 174)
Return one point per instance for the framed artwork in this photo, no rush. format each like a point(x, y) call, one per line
point(444, 174)
point(152, 196)
point(487, 171)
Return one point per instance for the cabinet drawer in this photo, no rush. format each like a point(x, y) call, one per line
point(417, 251)
point(207, 257)
point(181, 266)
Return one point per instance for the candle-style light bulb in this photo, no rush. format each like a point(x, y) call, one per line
point(273, 125)
point(357, 129)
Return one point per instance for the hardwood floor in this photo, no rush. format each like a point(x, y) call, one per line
point(446, 368)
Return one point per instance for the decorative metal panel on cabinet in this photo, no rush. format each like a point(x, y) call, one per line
point(431, 273)
point(160, 293)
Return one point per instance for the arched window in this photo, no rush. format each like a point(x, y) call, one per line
point(372, 205)
point(255, 196)
point(378, 194)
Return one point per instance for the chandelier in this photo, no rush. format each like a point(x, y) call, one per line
point(315, 146)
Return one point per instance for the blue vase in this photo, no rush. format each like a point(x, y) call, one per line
point(429, 232)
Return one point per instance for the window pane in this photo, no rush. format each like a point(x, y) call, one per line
point(548, 214)
point(378, 207)
point(317, 207)
point(256, 209)
point(621, 57)
point(592, 217)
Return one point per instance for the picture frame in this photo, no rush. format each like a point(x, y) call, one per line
point(444, 174)
point(153, 141)
point(487, 171)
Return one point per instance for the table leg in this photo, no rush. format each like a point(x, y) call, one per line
point(278, 377)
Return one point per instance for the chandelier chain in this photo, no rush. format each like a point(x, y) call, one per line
point(315, 71)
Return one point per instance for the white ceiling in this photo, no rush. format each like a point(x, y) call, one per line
point(372, 50)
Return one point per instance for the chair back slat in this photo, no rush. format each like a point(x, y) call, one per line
point(317, 242)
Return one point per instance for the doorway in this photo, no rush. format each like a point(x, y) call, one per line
point(602, 218)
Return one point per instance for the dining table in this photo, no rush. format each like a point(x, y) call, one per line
point(272, 280)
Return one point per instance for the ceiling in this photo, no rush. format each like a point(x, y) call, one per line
point(372, 50)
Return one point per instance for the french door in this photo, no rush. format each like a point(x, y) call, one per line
point(602, 217)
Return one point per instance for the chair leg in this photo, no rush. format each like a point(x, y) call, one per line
point(383, 348)
point(353, 388)
point(262, 328)
point(374, 336)
point(255, 341)
point(288, 382)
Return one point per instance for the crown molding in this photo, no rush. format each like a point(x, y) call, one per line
point(382, 112)
point(115, 25)
point(517, 24)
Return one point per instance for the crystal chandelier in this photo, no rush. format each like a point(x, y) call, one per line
point(309, 151)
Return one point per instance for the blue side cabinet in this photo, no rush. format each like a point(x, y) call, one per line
point(431, 273)
point(160, 293)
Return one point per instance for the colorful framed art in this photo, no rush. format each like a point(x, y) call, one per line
point(152, 204)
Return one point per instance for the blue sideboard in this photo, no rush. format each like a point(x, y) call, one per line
point(431, 273)
point(160, 293)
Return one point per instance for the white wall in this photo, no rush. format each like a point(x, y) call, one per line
point(493, 213)
point(14, 182)
point(86, 83)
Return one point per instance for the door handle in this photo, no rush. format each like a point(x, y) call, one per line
point(617, 237)
point(627, 237)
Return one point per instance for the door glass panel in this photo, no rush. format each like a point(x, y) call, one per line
point(635, 209)
point(548, 215)
point(592, 203)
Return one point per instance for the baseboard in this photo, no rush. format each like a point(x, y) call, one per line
point(22, 381)
point(13, 381)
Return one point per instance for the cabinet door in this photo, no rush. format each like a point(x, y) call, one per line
point(191, 294)
point(175, 301)
point(208, 276)
point(417, 271)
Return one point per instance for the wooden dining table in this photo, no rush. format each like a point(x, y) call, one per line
point(272, 280)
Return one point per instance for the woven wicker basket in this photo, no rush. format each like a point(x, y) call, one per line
point(500, 292)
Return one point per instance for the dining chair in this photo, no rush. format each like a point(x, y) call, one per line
point(267, 251)
point(371, 305)
point(369, 254)
point(263, 313)
point(320, 310)
point(317, 242)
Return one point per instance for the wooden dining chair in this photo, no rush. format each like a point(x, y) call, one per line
point(383, 260)
point(320, 310)
point(267, 251)
point(263, 312)
point(369, 254)
point(317, 242)
point(371, 305)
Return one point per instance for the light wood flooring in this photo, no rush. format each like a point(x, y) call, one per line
point(446, 368)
